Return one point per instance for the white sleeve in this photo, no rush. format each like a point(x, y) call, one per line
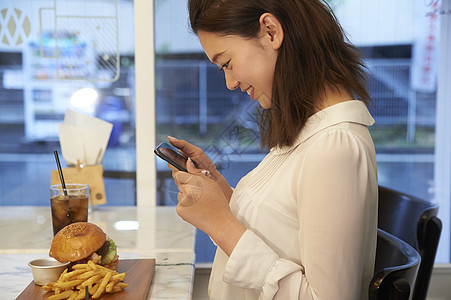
point(336, 218)
point(254, 265)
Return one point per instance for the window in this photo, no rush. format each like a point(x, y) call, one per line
point(49, 51)
point(400, 43)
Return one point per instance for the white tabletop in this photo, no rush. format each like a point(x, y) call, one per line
point(144, 232)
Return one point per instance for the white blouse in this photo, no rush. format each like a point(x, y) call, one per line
point(311, 215)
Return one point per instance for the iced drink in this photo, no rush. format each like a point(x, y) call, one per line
point(70, 208)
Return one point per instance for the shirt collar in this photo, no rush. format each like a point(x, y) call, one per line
point(353, 111)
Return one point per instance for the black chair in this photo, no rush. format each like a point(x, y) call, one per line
point(415, 221)
point(395, 268)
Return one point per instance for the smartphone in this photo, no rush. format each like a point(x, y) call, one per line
point(170, 154)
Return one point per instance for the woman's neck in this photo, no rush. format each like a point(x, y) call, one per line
point(333, 95)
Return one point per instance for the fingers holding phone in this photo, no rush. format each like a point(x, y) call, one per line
point(202, 161)
point(195, 153)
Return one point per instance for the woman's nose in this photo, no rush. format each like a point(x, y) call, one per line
point(231, 82)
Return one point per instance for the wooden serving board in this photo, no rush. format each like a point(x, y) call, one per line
point(138, 275)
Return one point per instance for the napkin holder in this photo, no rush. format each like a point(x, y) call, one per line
point(90, 175)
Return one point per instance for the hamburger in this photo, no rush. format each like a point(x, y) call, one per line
point(81, 242)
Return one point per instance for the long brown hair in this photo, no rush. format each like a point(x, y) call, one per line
point(315, 53)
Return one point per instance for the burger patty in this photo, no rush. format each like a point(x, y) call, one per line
point(103, 250)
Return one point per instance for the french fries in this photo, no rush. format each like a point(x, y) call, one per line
point(99, 280)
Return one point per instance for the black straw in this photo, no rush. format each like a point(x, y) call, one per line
point(60, 171)
point(87, 293)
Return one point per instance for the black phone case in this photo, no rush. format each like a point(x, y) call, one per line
point(168, 159)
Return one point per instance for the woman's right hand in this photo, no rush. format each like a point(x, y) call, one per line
point(202, 161)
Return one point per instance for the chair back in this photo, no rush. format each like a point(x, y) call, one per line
point(415, 221)
point(396, 267)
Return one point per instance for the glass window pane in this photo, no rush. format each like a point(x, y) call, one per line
point(51, 51)
point(400, 43)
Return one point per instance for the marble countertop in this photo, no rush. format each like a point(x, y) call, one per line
point(144, 232)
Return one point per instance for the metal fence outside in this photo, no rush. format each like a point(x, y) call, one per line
point(194, 92)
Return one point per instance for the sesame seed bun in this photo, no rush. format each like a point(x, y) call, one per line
point(77, 241)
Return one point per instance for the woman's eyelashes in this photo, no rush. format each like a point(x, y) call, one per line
point(225, 66)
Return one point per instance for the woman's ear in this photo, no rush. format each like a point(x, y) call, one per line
point(271, 27)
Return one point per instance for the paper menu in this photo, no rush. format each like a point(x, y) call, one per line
point(83, 138)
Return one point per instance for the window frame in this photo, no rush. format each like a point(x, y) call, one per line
point(145, 103)
point(442, 163)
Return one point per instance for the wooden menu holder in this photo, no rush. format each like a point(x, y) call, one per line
point(90, 175)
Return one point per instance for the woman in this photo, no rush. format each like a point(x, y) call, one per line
point(302, 224)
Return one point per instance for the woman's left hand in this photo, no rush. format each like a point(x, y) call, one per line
point(202, 203)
